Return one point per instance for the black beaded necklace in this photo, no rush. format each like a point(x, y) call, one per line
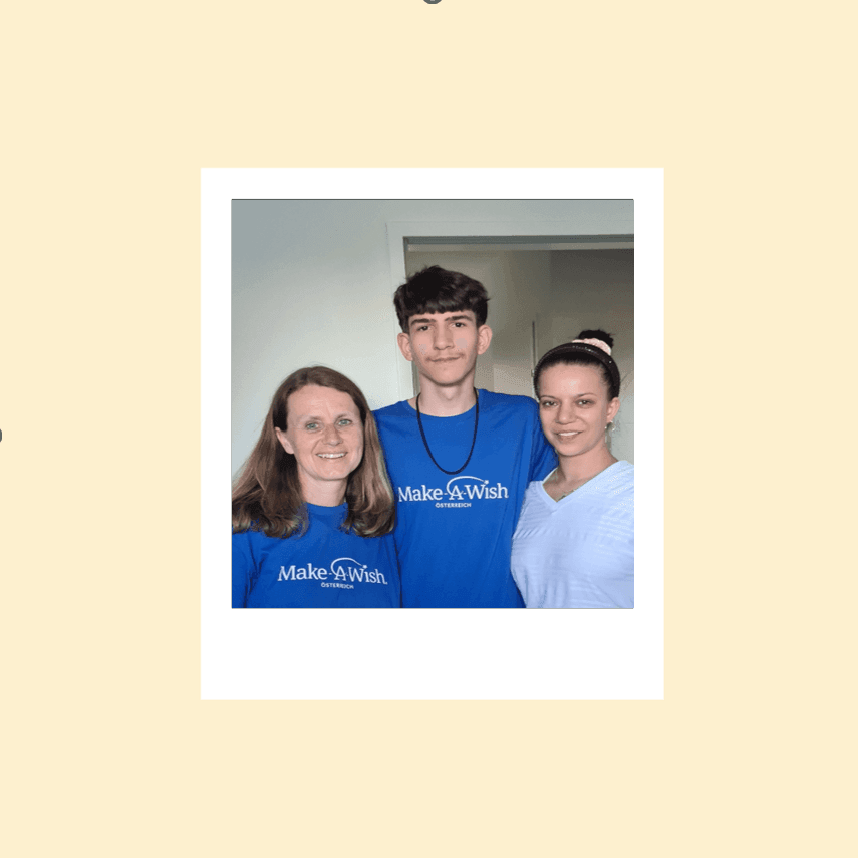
point(473, 443)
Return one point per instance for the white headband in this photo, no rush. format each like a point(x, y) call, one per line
point(599, 344)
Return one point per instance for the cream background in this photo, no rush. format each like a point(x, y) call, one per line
point(110, 113)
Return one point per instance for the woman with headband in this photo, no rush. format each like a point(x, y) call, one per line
point(574, 544)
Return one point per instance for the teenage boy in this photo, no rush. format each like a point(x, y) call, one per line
point(459, 459)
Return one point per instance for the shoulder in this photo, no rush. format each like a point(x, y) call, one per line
point(509, 402)
point(248, 542)
point(533, 491)
point(622, 476)
point(245, 535)
point(534, 507)
point(250, 537)
point(618, 487)
point(394, 422)
point(391, 412)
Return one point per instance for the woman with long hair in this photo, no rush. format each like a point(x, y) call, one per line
point(312, 508)
point(574, 544)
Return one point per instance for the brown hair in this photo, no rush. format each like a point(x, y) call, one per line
point(267, 492)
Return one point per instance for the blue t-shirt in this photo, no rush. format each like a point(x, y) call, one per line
point(324, 568)
point(454, 532)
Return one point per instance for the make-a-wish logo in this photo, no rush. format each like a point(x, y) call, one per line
point(459, 492)
point(342, 570)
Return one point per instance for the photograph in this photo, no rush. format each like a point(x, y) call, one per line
point(431, 405)
point(487, 460)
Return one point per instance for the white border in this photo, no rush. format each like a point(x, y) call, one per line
point(432, 654)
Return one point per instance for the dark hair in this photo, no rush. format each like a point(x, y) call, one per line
point(437, 290)
point(267, 493)
point(583, 354)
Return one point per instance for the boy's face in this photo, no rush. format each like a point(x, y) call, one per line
point(444, 345)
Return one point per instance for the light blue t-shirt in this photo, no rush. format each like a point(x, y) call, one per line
point(578, 552)
point(454, 531)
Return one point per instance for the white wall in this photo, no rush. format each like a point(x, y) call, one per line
point(312, 283)
point(519, 286)
point(595, 289)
